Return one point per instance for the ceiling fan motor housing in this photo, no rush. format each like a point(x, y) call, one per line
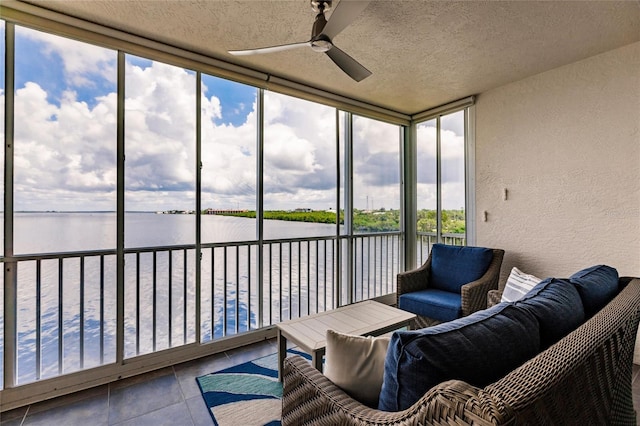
point(320, 6)
point(320, 42)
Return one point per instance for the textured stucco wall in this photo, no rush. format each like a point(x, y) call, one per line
point(566, 146)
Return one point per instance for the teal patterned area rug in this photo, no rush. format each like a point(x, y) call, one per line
point(247, 394)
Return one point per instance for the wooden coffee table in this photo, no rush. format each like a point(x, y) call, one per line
point(366, 318)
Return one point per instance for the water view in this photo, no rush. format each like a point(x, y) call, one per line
point(72, 301)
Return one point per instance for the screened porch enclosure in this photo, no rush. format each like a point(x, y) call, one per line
point(155, 213)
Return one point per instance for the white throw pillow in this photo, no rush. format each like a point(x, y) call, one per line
point(518, 284)
point(356, 364)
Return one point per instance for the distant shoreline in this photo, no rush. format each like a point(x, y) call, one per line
point(453, 221)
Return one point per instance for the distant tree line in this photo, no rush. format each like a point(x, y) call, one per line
point(296, 216)
point(453, 221)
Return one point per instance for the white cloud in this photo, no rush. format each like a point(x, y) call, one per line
point(452, 155)
point(285, 152)
point(376, 160)
point(300, 153)
point(81, 61)
point(65, 155)
point(61, 151)
point(160, 137)
point(299, 156)
point(210, 105)
point(228, 160)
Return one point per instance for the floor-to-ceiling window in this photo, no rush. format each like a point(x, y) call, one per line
point(64, 164)
point(159, 204)
point(299, 193)
point(453, 177)
point(229, 267)
point(427, 187)
point(441, 181)
point(376, 201)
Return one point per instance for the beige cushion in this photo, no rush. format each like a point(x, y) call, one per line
point(518, 284)
point(356, 364)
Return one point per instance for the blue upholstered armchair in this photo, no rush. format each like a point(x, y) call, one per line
point(452, 283)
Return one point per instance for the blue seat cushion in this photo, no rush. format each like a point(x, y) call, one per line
point(596, 285)
point(433, 303)
point(557, 306)
point(454, 266)
point(478, 349)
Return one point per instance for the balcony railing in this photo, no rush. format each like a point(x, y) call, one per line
point(66, 316)
point(66, 303)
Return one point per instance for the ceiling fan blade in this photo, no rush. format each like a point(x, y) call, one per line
point(348, 64)
point(270, 49)
point(343, 14)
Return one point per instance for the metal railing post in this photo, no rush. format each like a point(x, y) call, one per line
point(409, 194)
point(337, 271)
point(198, 252)
point(348, 207)
point(120, 150)
point(260, 203)
point(10, 268)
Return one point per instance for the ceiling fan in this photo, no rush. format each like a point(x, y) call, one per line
point(323, 32)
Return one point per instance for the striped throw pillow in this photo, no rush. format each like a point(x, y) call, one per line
point(518, 284)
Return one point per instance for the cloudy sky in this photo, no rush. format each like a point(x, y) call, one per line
point(65, 140)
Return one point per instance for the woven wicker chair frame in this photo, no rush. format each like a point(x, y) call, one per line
point(585, 378)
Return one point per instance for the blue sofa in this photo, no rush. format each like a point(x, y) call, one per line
point(561, 355)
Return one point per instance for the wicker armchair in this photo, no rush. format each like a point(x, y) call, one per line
point(585, 378)
point(473, 295)
point(495, 296)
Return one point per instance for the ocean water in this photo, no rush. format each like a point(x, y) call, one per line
point(73, 301)
point(50, 232)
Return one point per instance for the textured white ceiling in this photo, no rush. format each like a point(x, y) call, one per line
point(422, 53)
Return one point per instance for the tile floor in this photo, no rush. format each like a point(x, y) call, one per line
point(169, 396)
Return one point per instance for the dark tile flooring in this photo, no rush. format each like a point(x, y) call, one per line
point(165, 397)
point(169, 396)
